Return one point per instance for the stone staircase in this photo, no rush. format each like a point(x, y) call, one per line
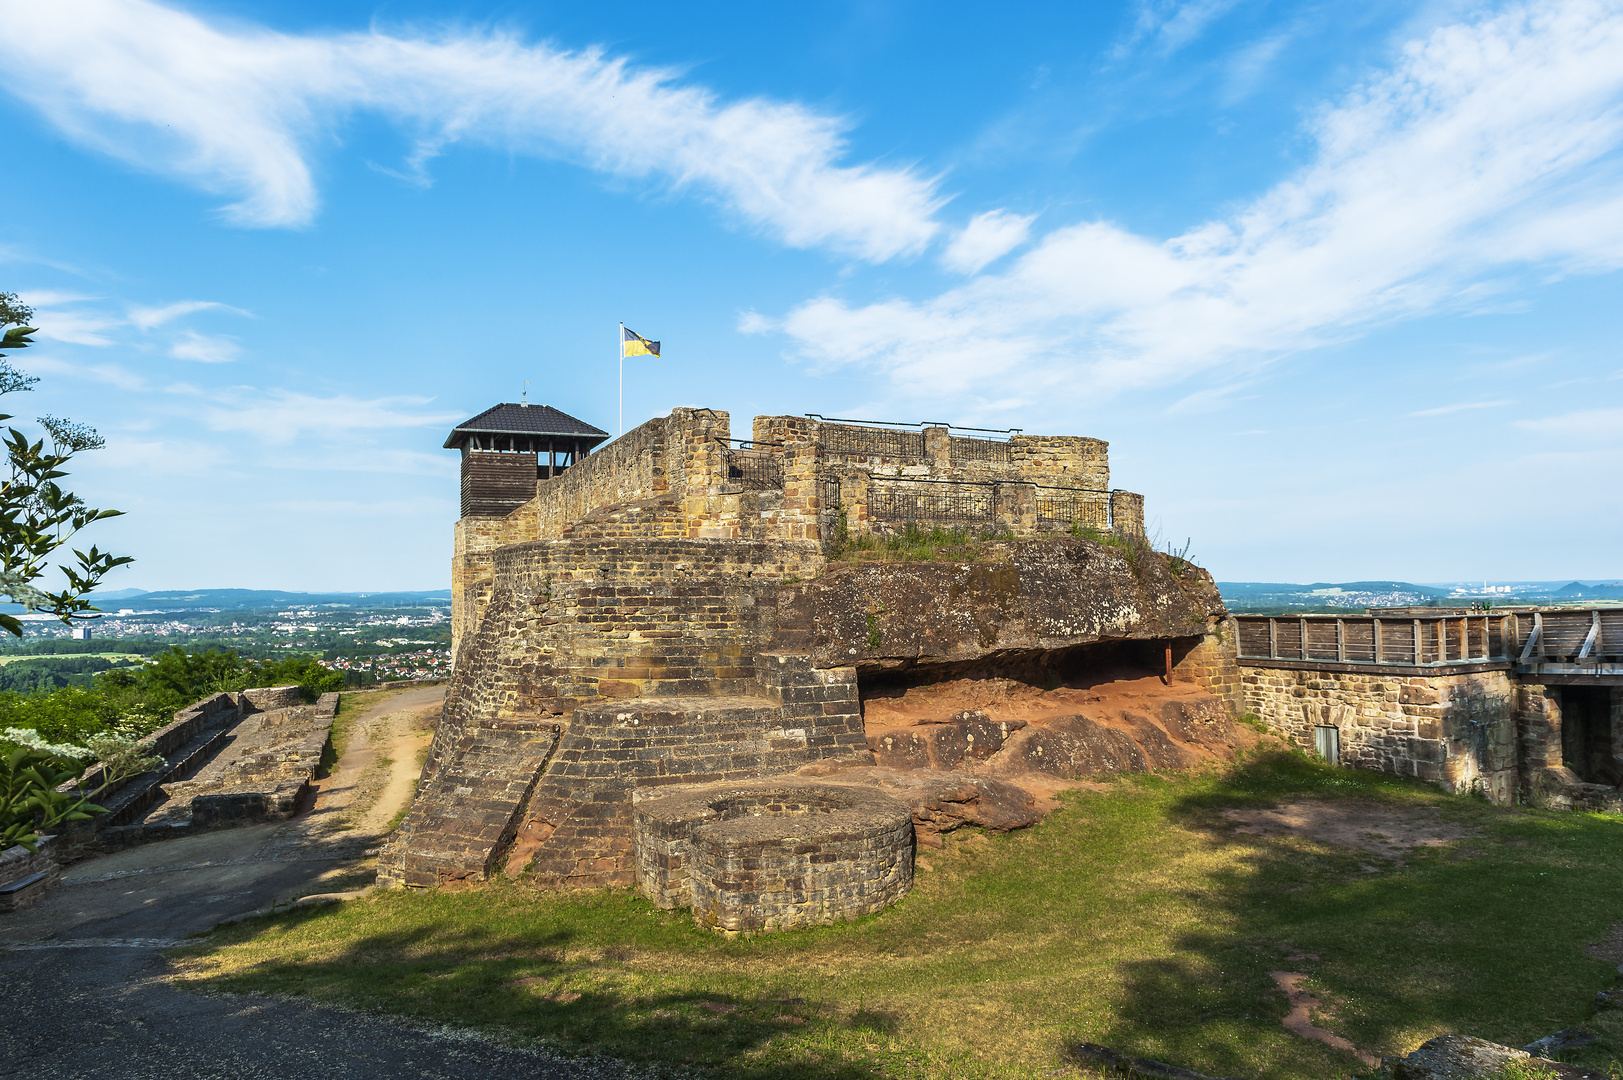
point(552, 798)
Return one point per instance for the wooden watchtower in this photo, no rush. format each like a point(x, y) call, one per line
point(508, 447)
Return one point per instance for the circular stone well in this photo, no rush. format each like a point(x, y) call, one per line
point(767, 855)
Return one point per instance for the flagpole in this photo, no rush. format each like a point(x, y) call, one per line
point(620, 348)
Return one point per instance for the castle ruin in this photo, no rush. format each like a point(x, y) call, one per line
point(669, 671)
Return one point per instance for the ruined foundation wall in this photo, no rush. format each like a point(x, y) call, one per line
point(1459, 730)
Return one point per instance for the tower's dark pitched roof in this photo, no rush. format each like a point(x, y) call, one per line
point(510, 419)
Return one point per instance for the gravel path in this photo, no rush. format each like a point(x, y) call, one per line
point(86, 991)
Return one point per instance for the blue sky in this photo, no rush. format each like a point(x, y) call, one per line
point(1339, 283)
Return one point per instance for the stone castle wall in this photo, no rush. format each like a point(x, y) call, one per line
point(677, 476)
point(1459, 730)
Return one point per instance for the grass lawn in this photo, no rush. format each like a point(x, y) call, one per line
point(1138, 916)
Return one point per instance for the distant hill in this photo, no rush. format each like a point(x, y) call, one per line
point(1268, 596)
point(1241, 589)
point(256, 599)
point(1598, 591)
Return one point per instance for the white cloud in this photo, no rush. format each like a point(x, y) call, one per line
point(204, 348)
point(1464, 406)
point(1173, 24)
point(146, 318)
point(1489, 146)
point(988, 236)
point(236, 109)
point(1584, 425)
point(283, 416)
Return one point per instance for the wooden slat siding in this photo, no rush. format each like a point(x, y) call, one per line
point(1253, 637)
point(1564, 632)
point(495, 484)
point(1611, 631)
point(1396, 641)
point(1360, 642)
point(1321, 640)
point(1289, 641)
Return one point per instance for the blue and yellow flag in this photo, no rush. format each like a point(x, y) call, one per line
point(634, 344)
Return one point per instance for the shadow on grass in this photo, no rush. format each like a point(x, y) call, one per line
point(1481, 936)
point(567, 989)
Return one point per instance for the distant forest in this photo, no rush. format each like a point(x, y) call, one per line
point(54, 672)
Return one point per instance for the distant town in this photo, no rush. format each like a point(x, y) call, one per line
point(1273, 597)
point(369, 637)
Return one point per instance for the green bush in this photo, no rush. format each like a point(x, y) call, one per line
point(134, 702)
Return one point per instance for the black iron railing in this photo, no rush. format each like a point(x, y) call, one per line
point(751, 467)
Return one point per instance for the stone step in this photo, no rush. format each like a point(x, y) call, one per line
point(463, 817)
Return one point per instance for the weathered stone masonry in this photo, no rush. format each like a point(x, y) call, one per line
point(660, 623)
point(1471, 701)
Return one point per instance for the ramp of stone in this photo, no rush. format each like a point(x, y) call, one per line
point(581, 834)
point(772, 855)
point(467, 812)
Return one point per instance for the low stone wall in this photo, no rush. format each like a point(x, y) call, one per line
point(773, 855)
point(26, 876)
point(1457, 729)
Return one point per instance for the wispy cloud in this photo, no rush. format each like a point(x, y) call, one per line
point(987, 237)
point(1490, 146)
point(1464, 406)
point(1172, 24)
point(236, 109)
point(1583, 425)
point(204, 348)
point(279, 416)
point(146, 318)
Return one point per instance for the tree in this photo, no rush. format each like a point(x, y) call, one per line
point(38, 517)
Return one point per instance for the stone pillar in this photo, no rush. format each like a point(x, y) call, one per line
point(1126, 513)
point(1014, 508)
point(700, 437)
point(854, 501)
point(794, 440)
point(938, 448)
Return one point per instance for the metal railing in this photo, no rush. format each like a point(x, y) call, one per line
point(751, 468)
point(967, 450)
point(926, 503)
point(1059, 509)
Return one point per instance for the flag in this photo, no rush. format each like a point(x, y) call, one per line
point(634, 344)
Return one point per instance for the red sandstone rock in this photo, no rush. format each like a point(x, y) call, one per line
point(943, 801)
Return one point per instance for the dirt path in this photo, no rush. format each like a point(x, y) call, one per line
point(166, 891)
point(87, 994)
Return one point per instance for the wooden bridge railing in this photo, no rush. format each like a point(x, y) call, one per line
point(1416, 642)
point(1561, 636)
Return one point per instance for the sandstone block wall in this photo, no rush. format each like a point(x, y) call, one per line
point(773, 855)
point(1459, 730)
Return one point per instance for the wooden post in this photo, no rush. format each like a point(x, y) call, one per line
point(1304, 639)
point(1379, 658)
point(1341, 640)
point(1273, 638)
point(1169, 665)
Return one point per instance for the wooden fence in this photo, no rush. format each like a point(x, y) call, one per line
point(1562, 636)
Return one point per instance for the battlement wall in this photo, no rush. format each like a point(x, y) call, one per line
point(800, 479)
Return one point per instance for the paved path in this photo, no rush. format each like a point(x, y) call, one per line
point(85, 983)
